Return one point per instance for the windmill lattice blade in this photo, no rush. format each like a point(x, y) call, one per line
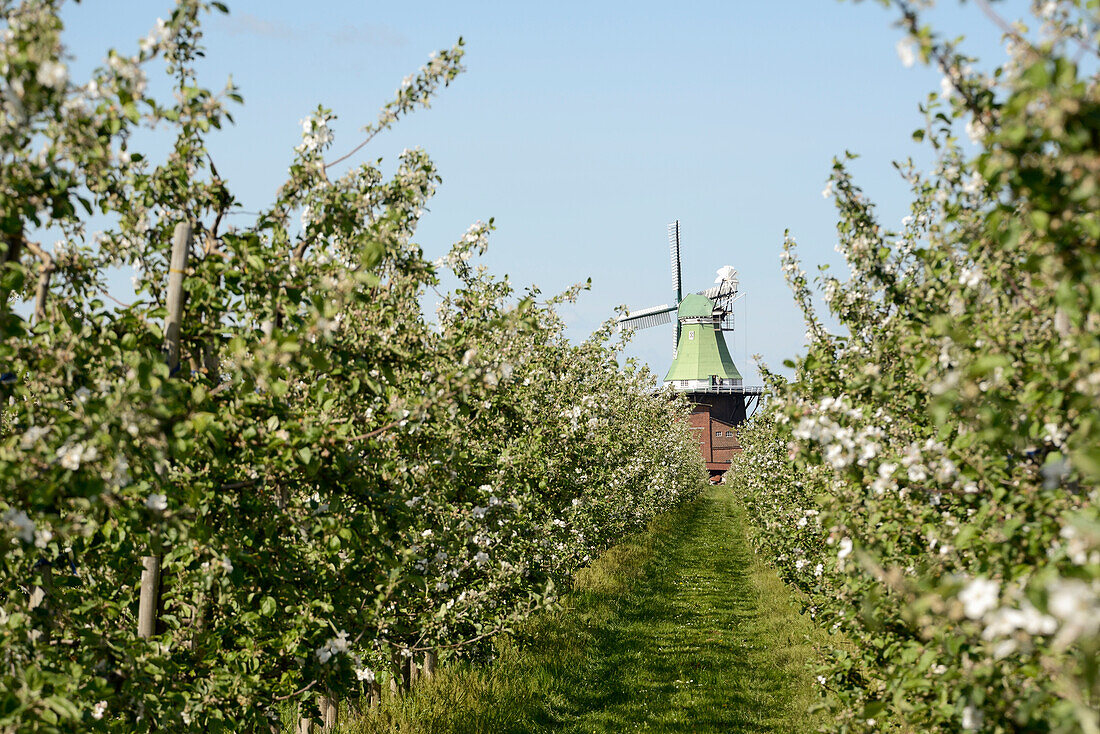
point(718, 291)
point(674, 254)
point(646, 317)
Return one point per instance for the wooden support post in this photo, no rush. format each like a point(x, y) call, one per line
point(150, 596)
point(177, 267)
point(399, 682)
point(330, 713)
point(430, 661)
point(149, 601)
point(375, 694)
point(305, 726)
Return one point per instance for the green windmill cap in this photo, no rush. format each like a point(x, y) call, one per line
point(694, 307)
point(701, 352)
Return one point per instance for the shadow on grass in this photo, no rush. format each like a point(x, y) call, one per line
point(675, 630)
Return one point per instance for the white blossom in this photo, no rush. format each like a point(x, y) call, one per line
point(1005, 621)
point(970, 277)
point(31, 436)
point(907, 51)
point(974, 183)
point(157, 502)
point(24, 526)
point(156, 37)
point(52, 74)
point(975, 130)
point(947, 87)
point(1074, 603)
point(979, 596)
point(333, 647)
point(315, 135)
point(971, 718)
point(71, 456)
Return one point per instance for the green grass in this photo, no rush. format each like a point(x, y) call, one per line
point(678, 629)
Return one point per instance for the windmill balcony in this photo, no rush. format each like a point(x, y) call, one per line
point(728, 386)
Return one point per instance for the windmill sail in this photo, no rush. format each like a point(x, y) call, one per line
point(674, 255)
point(644, 318)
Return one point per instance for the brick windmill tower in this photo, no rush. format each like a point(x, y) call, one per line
point(702, 367)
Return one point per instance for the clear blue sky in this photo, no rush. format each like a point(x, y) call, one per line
point(583, 128)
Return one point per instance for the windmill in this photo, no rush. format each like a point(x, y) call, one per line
point(702, 368)
point(723, 294)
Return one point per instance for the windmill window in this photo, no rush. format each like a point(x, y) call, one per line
point(691, 334)
point(717, 434)
point(729, 434)
point(683, 383)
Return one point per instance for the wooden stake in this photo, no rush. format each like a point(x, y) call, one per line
point(150, 596)
point(399, 682)
point(430, 661)
point(330, 712)
point(149, 600)
point(177, 267)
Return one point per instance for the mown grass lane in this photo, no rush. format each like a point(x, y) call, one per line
point(676, 630)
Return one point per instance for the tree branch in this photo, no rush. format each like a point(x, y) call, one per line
point(45, 270)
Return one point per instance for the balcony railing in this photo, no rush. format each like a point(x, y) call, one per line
point(723, 389)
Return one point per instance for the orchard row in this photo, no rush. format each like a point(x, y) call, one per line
point(329, 479)
point(929, 477)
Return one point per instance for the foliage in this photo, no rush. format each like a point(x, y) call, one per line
point(331, 478)
point(929, 478)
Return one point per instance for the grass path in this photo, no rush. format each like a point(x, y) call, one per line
point(676, 630)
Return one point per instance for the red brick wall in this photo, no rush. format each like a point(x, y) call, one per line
point(700, 427)
point(714, 449)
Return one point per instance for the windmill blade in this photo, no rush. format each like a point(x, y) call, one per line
point(677, 284)
point(722, 290)
point(674, 253)
point(644, 318)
